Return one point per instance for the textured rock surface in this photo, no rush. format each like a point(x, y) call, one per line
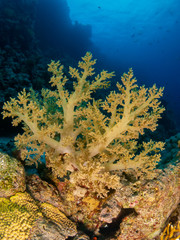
point(139, 209)
point(43, 191)
point(42, 217)
point(46, 230)
point(152, 201)
point(81, 236)
point(12, 176)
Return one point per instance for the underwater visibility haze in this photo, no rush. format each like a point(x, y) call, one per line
point(89, 119)
point(144, 35)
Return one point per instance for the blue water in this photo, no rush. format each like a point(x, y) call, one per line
point(141, 34)
point(144, 35)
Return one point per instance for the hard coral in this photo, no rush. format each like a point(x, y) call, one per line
point(67, 227)
point(17, 217)
point(77, 132)
point(20, 216)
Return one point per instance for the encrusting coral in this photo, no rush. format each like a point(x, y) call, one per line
point(87, 137)
point(66, 226)
point(19, 216)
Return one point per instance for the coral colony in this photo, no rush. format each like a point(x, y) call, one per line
point(95, 155)
point(85, 138)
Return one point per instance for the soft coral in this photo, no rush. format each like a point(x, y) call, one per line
point(74, 131)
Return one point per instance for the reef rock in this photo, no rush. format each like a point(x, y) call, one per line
point(43, 191)
point(145, 207)
point(12, 176)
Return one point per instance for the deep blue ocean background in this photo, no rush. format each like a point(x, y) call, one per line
point(144, 35)
point(141, 34)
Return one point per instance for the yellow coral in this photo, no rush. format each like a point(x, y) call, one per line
point(75, 131)
point(24, 199)
point(171, 232)
point(17, 218)
point(19, 213)
point(67, 227)
point(91, 203)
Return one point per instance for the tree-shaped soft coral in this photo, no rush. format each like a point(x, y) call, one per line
point(53, 121)
point(130, 110)
point(75, 131)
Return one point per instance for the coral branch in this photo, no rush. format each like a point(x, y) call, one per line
point(77, 132)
